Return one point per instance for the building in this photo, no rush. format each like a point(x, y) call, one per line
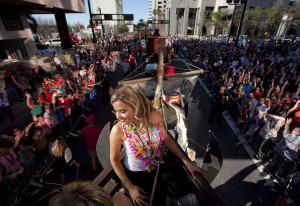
point(160, 6)
point(16, 38)
point(108, 7)
point(188, 17)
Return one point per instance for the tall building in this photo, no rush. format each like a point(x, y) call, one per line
point(156, 5)
point(188, 17)
point(108, 7)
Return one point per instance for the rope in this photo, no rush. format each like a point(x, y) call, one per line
point(189, 63)
point(125, 78)
point(160, 160)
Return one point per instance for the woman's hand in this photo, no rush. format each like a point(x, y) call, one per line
point(192, 167)
point(138, 195)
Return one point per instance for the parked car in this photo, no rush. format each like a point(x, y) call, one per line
point(53, 43)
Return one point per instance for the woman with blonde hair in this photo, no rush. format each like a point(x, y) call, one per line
point(63, 157)
point(85, 193)
point(141, 131)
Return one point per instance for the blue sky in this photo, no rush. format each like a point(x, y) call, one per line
point(137, 7)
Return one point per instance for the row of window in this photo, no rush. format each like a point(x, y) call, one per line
point(14, 48)
point(11, 21)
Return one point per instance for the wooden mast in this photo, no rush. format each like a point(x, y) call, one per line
point(159, 75)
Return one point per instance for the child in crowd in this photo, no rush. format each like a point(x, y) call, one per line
point(26, 157)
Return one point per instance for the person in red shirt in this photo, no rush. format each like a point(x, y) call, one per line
point(60, 83)
point(135, 52)
point(46, 96)
point(256, 93)
point(132, 63)
point(169, 68)
point(91, 133)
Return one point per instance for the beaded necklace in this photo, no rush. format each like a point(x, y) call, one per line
point(146, 146)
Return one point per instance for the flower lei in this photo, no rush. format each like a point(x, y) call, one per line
point(141, 151)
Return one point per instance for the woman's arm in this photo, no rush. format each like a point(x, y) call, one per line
point(170, 144)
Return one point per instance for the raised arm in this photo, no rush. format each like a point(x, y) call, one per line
point(294, 108)
point(28, 101)
point(287, 126)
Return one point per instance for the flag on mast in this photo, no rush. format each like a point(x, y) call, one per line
point(79, 27)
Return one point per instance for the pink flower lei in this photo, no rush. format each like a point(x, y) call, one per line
point(134, 138)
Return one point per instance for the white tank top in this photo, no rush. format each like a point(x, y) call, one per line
point(130, 162)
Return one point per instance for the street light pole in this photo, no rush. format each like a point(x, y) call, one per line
point(232, 23)
point(91, 22)
point(241, 23)
point(101, 22)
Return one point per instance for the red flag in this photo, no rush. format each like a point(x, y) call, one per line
point(79, 27)
point(96, 27)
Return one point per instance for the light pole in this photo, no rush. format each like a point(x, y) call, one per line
point(91, 22)
point(99, 9)
point(241, 22)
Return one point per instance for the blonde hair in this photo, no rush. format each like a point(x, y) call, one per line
point(82, 193)
point(59, 147)
point(141, 106)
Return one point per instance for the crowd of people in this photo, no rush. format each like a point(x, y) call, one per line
point(261, 81)
point(55, 110)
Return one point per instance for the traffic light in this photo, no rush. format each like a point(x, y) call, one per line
point(149, 21)
point(236, 1)
point(228, 1)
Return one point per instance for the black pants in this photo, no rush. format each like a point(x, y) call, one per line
point(215, 109)
point(145, 181)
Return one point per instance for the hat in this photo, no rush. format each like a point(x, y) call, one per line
point(90, 118)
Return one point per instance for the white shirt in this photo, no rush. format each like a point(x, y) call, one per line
point(57, 60)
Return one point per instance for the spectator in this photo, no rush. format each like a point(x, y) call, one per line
point(63, 157)
point(218, 102)
point(91, 133)
point(5, 107)
point(291, 144)
point(10, 85)
point(36, 109)
point(125, 68)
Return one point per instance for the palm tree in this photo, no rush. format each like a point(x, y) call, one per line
point(141, 21)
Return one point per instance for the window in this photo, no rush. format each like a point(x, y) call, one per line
point(14, 48)
point(11, 21)
point(191, 21)
point(159, 2)
point(223, 8)
point(159, 7)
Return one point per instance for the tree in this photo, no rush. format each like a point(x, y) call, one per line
point(274, 15)
point(294, 10)
point(89, 26)
point(254, 19)
point(120, 29)
point(141, 21)
point(219, 20)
